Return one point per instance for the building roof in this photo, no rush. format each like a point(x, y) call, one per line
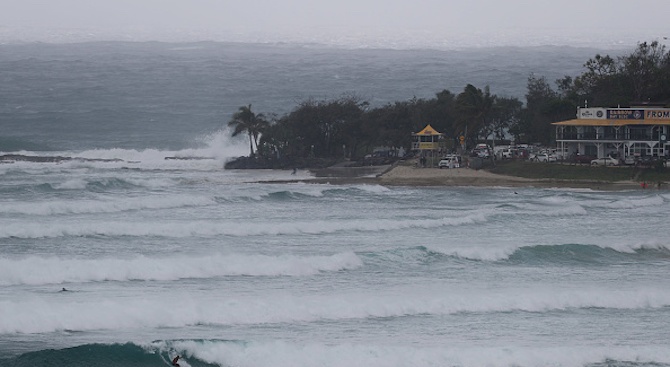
point(428, 130)
point(606, 122)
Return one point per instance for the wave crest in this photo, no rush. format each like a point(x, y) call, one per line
point(36, 270)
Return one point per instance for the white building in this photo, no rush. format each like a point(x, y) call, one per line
point(621, 132)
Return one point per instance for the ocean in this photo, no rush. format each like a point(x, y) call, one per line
point(113, 255)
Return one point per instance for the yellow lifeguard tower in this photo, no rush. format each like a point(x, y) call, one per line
point(427, 142)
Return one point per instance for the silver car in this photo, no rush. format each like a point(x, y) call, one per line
point(606, 161)
point(545, 157)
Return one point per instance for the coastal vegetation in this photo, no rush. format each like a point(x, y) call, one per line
point(348, 127)
point(245, 120)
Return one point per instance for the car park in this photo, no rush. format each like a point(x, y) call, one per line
point(605, 161)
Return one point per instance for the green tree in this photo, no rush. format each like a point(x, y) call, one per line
point(440, 112)
point(392, 125)
point(535, 127)
point(278, 139)
point(506, 116)
point(319, 127)
point(475, 112)
point(543, 107)
point(642, 76)
point(643, 71)
point(245, 120)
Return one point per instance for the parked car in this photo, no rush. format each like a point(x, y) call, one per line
point(561, 155)
point(508, 153)
point(650, 161)
point(545, 157)
point(483, 153)
point(606, 161)
point(584, 159)
point(450, 162)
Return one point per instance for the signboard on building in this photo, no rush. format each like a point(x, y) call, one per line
point(591, 113)
point(428, 146)
point(657, 114)
point(625, 114)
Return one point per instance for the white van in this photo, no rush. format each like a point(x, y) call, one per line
point(508, 153)
point(450, 161)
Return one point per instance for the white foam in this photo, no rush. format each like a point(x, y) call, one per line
point(54, 270)
point(655, 201)
point(632, 246)
point(216, 228)
point(374, 189)
point(554, 210)
point(218, 147)
point(71, 184)
point(104, 205)
point(288, 354)
point(498, 252)
point(40, 315)
point(503, 248)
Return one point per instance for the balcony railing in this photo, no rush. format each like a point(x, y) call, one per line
point(607, 136)
point(638, 136)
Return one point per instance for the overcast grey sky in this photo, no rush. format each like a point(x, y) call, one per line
point(295, 19)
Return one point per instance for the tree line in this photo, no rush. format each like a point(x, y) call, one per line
point(348, 126)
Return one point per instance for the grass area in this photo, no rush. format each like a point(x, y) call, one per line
point(579, 172)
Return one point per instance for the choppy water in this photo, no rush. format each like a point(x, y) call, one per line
point(163, 257)
point(208, 264)
point(169, 96)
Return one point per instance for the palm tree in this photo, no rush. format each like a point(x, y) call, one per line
point(245, 120)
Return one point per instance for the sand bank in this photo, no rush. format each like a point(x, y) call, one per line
point(404, 175)
point(415, 176)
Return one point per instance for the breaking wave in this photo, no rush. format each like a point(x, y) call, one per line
point(53, 270)
point(212, 228)
point(76, 312)
point(210, 353)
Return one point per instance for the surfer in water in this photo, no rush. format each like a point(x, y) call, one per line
point(175, 361)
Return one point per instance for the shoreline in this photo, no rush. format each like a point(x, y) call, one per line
point(401, 175)
point(413, 176)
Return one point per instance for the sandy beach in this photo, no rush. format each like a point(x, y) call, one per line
point(405, 175)
point(414, 176)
